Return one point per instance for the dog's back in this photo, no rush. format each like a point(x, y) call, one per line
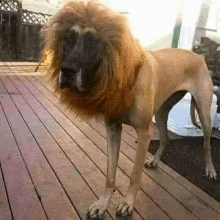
point(175, 60)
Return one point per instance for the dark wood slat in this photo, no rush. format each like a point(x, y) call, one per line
point(191, 187)
point(22, 196)
point(4, 205)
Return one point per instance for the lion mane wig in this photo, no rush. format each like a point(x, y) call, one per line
point(121, 58)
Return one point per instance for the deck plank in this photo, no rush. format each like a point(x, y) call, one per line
point(191, 187)
point(23, 199)
point(4, 205)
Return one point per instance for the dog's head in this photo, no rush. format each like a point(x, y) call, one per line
point(93, 58)
point(81, 58)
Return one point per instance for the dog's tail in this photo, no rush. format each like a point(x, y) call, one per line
point(193, 113)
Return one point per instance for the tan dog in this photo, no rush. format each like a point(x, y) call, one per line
point(100, 69)
point(161, 83)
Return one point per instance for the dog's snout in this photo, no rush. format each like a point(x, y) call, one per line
point(69, 69)
point(66, 70)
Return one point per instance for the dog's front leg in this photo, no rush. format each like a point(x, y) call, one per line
point(126, 206)
point(113, 129)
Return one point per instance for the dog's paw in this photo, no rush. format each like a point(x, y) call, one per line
point(97, 210)
point(124, 209)
point(151, 163)
point(210, 172)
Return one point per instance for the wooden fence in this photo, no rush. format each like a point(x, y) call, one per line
point(20, 32)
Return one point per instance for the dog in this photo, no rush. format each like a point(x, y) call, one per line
point(100, 69)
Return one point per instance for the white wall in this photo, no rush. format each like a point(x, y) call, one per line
point(153, 21)
point(39, 6)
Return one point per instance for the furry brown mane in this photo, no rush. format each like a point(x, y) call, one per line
point(121, 58)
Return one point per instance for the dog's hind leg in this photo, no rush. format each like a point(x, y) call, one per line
point(161, 117)
point(113, 129)
point(203, 106)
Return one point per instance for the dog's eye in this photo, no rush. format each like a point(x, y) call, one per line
point(69, 41)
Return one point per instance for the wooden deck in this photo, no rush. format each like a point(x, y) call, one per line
point(53, 166)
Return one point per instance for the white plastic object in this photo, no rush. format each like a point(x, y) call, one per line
point(179, 120)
